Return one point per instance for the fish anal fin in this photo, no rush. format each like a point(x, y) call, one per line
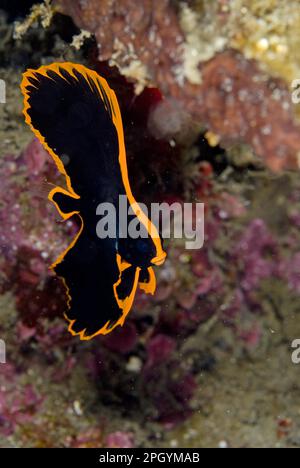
point(110, 326)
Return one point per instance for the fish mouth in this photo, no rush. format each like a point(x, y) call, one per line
point(159, 260)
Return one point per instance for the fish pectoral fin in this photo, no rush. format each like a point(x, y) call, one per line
point(65, 202)
point(125, 288)
point(148, 281)
point(125, 284)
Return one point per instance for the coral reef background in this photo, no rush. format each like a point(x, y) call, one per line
point(206, 99)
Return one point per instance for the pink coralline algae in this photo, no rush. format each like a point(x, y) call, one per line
point(259, 256)
point(119, 440)
point(256, 254)
point(234, 98)
point(18, 405)
point(251, 336)
point(35, 158)
point(172, 398)
point(191, 290)
point(153, 362)
point(290, 269)
point(124, 340)
point(31, 235)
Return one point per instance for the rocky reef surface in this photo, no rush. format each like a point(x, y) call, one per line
point(204, 90)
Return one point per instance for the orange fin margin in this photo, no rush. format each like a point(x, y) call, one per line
point(109, 100)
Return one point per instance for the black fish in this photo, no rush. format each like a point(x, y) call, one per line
point(76, 117)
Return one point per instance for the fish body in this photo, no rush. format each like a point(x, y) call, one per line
point(75, 115)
